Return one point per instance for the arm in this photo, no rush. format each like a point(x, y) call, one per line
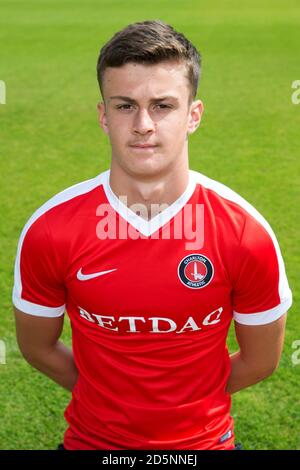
point(38, 340)
point(259, 353)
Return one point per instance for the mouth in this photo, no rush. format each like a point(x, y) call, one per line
point(143, 146)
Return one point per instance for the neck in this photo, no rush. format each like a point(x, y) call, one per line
point(150, 194)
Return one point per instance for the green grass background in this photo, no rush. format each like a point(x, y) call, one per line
point(50, 139)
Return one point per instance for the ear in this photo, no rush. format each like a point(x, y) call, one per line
point(195, 115)
point(102, 117)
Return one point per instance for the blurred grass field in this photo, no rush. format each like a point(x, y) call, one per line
point(50, 139)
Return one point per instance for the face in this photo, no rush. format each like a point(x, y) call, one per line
point(147, 115)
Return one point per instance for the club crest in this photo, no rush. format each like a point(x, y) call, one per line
point(195, 271)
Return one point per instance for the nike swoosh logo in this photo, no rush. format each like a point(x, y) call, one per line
point(86, 277)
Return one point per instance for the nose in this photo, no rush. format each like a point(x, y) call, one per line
point(143, 123)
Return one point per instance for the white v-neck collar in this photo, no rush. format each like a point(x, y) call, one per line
point(147, 227)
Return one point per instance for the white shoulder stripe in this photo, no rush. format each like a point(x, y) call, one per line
point(227, 193)
point(35, 309)
point(63, 196)
point(262, 318)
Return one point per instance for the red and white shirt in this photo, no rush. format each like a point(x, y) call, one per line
point(150, 304)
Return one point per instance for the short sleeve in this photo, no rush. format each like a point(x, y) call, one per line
point(38, 283)
point(261, 293)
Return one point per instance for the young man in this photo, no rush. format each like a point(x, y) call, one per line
point(151, 261)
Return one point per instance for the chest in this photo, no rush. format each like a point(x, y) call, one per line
point(151, 285)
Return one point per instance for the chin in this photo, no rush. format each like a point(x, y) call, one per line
point(142, 165)
point(145, 169)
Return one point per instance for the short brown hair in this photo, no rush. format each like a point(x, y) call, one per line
point(150, 42)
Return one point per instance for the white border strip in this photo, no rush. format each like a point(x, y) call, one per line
point(262, 318)
point(35, 309)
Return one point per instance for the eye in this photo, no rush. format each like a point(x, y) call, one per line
point(124, 106)
point(164, 106)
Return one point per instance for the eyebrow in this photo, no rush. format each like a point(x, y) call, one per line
point(153, 100)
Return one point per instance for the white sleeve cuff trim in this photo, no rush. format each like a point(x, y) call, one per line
point(37, 310)
point(262, 318)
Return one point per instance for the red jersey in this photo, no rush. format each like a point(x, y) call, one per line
point(150, 305)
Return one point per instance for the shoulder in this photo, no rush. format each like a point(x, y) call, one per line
point(256, 260)
point(64, 202)
point(54, 221)
point(230, 206)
